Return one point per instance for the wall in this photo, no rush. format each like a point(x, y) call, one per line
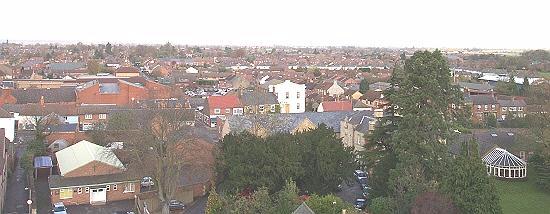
point(93, 168)
point(91, 95)
point(8, 124)
point(84, 198)
point(293, 101)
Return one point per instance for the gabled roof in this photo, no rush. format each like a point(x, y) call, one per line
point(329, 106)
point(512, 103)
point(476, 86)
point(252, 98)
point(82, 153)
point(227, 101)
point(5, 114)
point(483, 99)
point(303, 209)
point(52, 95)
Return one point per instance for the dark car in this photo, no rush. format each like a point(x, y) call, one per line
point(363, 182)
point(360, 203)
point(176, 205)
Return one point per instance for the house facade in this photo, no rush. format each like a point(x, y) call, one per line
point(511, 108)
point(291, 96)
point(90, 174)
point(4, 168)
point(355, 128)
point(483, 106)
point(219, 107)
point(119, 92)
point(259, 102)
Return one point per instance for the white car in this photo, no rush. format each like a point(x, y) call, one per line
point(360, 174)
point(59, 208)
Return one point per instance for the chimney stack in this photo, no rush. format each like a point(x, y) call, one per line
point(42, 103)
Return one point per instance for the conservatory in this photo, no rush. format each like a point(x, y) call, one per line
point(503, 164)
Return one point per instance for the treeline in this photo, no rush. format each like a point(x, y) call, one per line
point(315, 159)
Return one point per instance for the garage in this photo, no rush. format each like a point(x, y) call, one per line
point(98, 196)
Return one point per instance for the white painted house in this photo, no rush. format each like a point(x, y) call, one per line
point(291, 96)
point(7, 122)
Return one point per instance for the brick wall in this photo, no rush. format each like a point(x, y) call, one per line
point(91, 95)
point(84, 198)
point(93, 168)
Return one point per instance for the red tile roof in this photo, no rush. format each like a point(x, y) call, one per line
point(329, 106)
point(221, 102)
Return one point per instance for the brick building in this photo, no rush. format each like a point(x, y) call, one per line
point(91, 174)
point(119, 92)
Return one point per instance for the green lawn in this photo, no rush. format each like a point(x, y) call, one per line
point(522, 197)
point(545, 74)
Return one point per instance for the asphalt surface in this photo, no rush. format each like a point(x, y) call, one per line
point(198, 206)
point(16, 195)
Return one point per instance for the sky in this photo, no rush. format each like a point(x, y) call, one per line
point(366, 23)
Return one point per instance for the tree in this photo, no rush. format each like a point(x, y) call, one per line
point(468, 185)
point(93, 67)
point(159, 147)
point(423, 100)
point(329, 204)
point(249, 161)
point(525, 86)
point(490, 121)
point(287, 199)
point(98, 54)
point(433, 203)
point(364, 86)
point(108, 48)
point(382, 205)
point(215, 203)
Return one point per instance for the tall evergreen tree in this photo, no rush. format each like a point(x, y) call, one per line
point(468, 185)
point(423, 100)
point(364, 86)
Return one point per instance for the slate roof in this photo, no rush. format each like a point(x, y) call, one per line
point(127, 69)
point(486, 140)
point(512, 103)
point(303, 209)
point(253, 98)
point(476, 86)
point(94, 109)
point(285, 123)
point(379, 86)
point(68, 109)
point(66, 66)
point(361, 120)
point(5, 114)
point(52, 95)
point(483, 99)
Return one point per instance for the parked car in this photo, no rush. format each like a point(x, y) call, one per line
point(176, 205)
point(363, 183)
point(59, 208)
point(360, 203)
point(147, 182)
point(360, 174)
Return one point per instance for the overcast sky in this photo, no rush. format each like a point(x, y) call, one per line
point(369, 23)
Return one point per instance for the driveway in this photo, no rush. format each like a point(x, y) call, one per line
point(198, 206)
point(351, 192)
point(16, 202)
point(110, 207)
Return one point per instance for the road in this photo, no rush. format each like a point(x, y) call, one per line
point(16, 202)
point(198, 206)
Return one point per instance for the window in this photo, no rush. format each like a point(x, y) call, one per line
point(217, 111)
point(486, 107)
point(522, 155)
point(87, 189)
point(88, 116)
point(261, 107)
point(493, 107)
point(287, 95)
point(102, 116)
point(298, 95)
point(65, 193)
point(504, 109)
point(227, 110)
point(130, 187)
point(108, 188)
point(79, 190)
point(272, 108)
point(520, 108)
point(478, 107)
point(115, 187)
point(298, 106)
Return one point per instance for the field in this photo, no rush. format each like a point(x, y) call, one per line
point(522, 197)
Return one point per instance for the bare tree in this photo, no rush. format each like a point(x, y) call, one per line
point(156, 149)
